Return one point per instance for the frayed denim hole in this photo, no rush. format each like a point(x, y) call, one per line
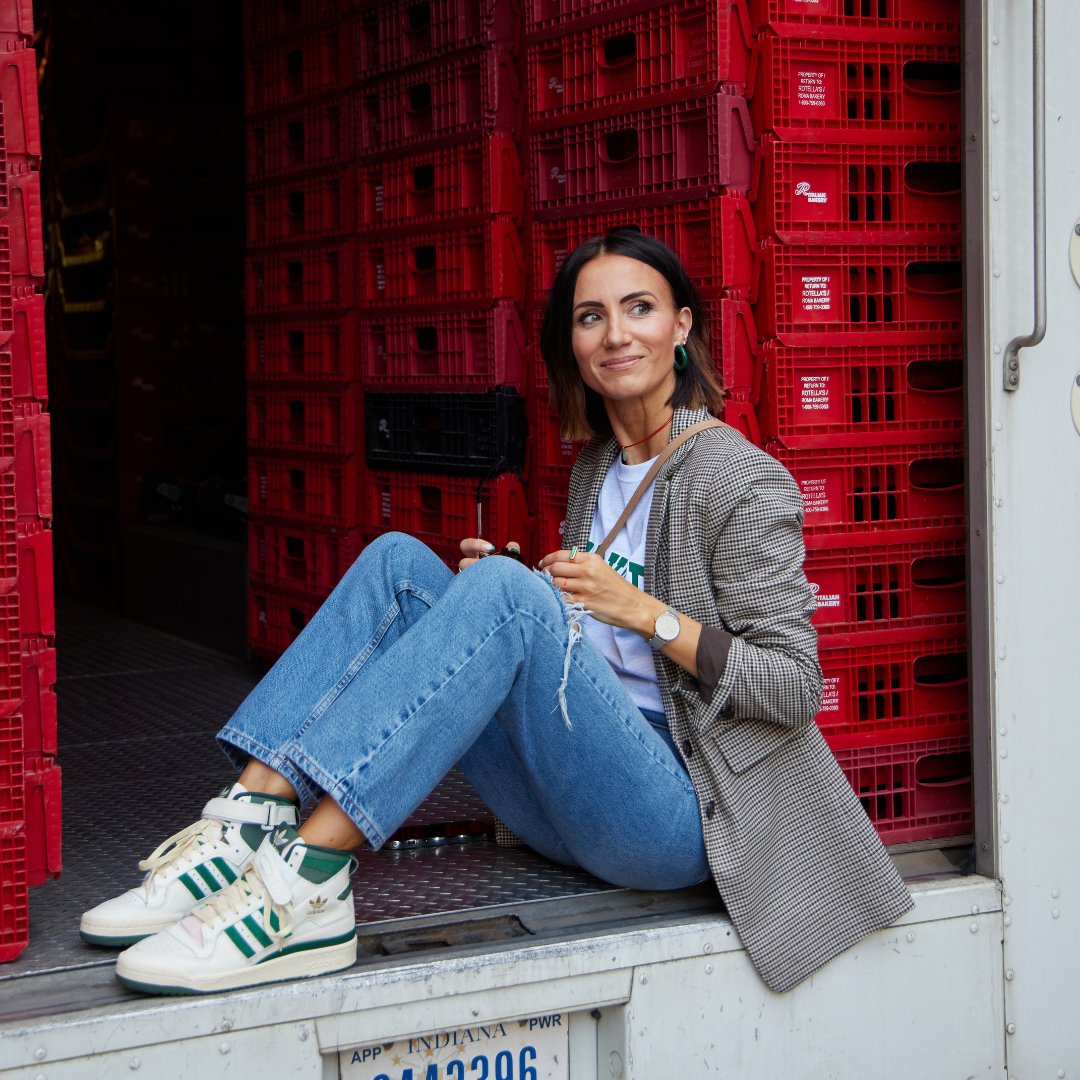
point(573, 613)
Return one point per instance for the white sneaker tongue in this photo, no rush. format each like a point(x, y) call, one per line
point(193, 927)
point(277, 875)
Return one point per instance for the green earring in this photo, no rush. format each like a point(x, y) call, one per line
point(681, 359)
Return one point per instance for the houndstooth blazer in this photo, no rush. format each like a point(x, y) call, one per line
point(797, 862)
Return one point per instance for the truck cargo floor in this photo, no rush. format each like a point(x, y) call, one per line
point(138, 713)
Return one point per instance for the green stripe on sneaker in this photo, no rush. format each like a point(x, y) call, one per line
point(224, 869)
point(275, 922)
point(207, 875)
point(192, 887)
point(246, 950)
point(257, 932)
point(322, 943)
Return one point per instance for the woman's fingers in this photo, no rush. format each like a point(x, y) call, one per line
point(473, 548)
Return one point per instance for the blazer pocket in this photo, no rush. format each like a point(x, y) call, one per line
point(747, 743)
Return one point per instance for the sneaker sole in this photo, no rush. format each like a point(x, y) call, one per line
point(111, 937)
point(301, 964)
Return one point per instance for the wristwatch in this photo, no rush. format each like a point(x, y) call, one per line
point(666, 628)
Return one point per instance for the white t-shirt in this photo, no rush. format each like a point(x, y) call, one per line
point(628, 653)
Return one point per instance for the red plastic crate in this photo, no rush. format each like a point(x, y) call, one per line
point(29, 373)
point(24, 218)
point(876, 20)
point(8, 288)
point(413, 33)
point(714, 238)
point(848, 193)
point(547, 18)
point(307, 350)
point(19, 95)
point(303, 489)
point(265, 20)
point(871, 593)
point(289, 557)
point(43, 818)
point(11, 684)
point(897, 692)
point(37, 606)
point(9, 548)
point(667, 153)
point(474, 264)
point(452, 99)
point(362, 27)
point(17, 17)
point(276, 617)
point(917, 791)
point(816, 295)
point(316, 135)
point(302, 209)
point(312, 278)
point(550, 500)
point(861, 395)
point(735, 347)
point(33, 467)
point(637, 60)
point(444, 351)
point(451, 185)
point(304, 65)
point(14, 906)
point(551, 457)
point(810, 90)
point(12, 785)
point(39, 704)
point(442, 510)
point(887, 494)
point(742, 416)
point(299, 420)
point(7, 411)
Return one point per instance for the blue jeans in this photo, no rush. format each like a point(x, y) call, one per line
point(408, 669)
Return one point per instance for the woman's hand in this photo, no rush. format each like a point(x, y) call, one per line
point(474, 549)
point(587, 579)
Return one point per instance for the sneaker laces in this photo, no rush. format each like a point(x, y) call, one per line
point(181, 844)
point(231, 901)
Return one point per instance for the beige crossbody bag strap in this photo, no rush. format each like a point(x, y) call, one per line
point(650, 476)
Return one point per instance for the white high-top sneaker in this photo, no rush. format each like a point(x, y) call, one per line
point(289, 916)
point(197, 862)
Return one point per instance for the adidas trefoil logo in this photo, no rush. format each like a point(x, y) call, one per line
point(280, 837)
point(317, 905)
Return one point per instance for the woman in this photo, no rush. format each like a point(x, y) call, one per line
point(542, 688)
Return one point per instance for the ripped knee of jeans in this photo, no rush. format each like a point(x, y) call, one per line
point(574, 613)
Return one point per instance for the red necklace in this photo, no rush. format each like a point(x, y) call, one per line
point(623, 449)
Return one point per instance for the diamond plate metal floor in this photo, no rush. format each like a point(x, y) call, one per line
point(138, 713)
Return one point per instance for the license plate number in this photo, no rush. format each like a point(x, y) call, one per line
point(532, 1049)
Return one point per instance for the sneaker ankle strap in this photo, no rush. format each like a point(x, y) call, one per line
point(246, 812)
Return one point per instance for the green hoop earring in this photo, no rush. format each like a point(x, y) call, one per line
point(681, 359)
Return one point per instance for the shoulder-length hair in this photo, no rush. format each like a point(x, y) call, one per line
point(581, 410)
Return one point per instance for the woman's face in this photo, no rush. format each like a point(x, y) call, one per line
point(626, 327)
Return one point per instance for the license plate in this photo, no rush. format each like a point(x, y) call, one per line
point(532, 1049)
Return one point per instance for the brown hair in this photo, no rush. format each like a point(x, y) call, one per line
point(581, 410)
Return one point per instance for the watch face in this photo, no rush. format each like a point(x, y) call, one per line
point(667, 626)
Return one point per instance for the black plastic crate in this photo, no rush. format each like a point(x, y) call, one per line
point(475, 434)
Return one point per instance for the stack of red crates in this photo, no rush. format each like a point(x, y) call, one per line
point(29, 775)
point(441, 194)
point(859, 381)
point(637, 116)
point(301, 288)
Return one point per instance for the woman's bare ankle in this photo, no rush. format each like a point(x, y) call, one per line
point(259, 777)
